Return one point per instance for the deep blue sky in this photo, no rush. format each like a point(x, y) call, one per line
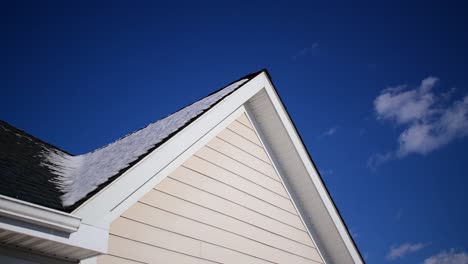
point(81, 75)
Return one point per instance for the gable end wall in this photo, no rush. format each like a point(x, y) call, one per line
point(225, 204)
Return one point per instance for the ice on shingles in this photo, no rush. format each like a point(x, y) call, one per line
point(77, 176)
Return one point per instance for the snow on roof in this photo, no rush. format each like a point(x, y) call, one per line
point(80, 175)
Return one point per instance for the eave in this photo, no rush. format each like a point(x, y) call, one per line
point(48, 232)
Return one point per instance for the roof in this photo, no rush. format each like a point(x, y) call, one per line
point(35, 171)
point(21, 174)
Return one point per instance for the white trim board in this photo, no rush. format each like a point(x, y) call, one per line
point(38, 215)
point(45, 231)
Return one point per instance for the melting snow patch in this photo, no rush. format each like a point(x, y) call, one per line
point(80, 175)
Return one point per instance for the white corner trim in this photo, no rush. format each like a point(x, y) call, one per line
point(38, 215)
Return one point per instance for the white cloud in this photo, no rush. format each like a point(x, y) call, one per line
point(379, 158)
point(448, 257)
point(329, 132)
point(430, 121)
point(404, 249)
point(311, 50)
point(402, 105)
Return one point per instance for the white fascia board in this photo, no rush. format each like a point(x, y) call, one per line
point(38, 215)
point(110, 202)
point(87, 237)
point(313, 175)
point(51, 226)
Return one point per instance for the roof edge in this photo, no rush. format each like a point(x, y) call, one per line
point(35, 139)
point(38, 215)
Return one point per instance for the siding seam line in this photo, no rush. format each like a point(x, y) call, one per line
point(250, 154)
point(288, 252)
point(194, 238)
point(235, 188)
point(232, 130)
point(235, 203)
point(241, 176)
point(245, 124)
point(242, 163)
point(178, 252)
point(266, 230)
point(132, 260)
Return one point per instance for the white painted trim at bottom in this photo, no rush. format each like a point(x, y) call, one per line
point(86, 237)
point(38, 215)
point(33, 222)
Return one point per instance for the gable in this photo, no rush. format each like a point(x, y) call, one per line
point(225, 204)
point(257, 96)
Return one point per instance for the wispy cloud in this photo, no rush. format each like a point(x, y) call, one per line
point(448, 257)
point(354, 234)
point(362, 131)
point(399, 214)
point(329, 132)
point(311, 50)
point(326, 172)
point(404, 249)
point(429, 121)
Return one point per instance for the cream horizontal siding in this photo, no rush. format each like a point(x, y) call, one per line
point(244, 157)
point(210, 170)
point(118, 260)
point(244, 144)
point(201, 231)
point(226, 204)
point(245, 132)
point(229, 193)
point(228, 256)
point(240, 169)
point(131, 229)
point(146, 253)
point(215, 203)
point(200, 214)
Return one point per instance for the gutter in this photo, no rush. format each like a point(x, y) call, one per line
point(38, 215)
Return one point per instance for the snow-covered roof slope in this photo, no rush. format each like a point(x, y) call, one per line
point(80, 175)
